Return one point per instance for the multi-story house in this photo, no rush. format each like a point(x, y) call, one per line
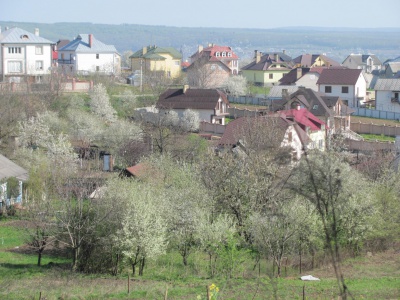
point(154, 59)
point(24, 56)
point(211, 104)
point(85, 54)
point(367, 62)
point(210, 67)
point(348, 84)
point(267, 69)
point(314, 60)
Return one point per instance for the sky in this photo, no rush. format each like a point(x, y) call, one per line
point(263, 14)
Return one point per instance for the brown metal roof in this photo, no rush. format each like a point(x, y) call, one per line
point(191, 99)
point(339, 76)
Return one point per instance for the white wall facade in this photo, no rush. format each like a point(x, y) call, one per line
point(384, 101)
point(356, 93)
point(109, 63)
point(28, 62)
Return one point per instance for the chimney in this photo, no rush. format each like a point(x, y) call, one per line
point(257, 56)
point(299, 73)
point(90, 40)
point(200, 48)
point(298, 106)
point(37, 31)
point(144, 51)
point(185, 88)
point(276, 57)
point(284, 51)
point(285, 94)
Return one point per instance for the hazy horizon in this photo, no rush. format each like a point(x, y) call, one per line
point(258, 14)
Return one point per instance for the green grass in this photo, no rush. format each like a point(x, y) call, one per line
point(367, 278)
point(376, 137)
point(263, 90)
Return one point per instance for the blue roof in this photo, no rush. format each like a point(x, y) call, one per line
point(17, 35)
point(81, 44)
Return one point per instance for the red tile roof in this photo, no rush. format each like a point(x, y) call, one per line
point(137, 170)
point(339, 76)
point(304, 118)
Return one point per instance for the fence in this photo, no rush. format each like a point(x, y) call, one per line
point(66, 86)
point(378, 114)
point(354, 145)
point(212, 128)
point(248, 100)
point(361, 128)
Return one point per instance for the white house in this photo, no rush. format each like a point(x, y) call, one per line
point(24, 56)
point(366, 62)
point(387, 94)
point(348, 84)
point(86, 54)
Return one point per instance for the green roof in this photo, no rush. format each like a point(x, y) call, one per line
point(154, 51)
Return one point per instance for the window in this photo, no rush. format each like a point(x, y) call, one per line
point(315, 106)
point(177, 63)
point(13, 50)
point(97, 68)
point(15, 66)
point(345, 89)
point(328, 89)
point(39, 50)
point(321, 144)
point(97, 56)
point(229, 54)
point(217, 54)
point(39, 65)
point(223, 54)
point(290, 137)
point(271, 76)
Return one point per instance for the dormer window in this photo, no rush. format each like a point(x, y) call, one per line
point(224, 54)
point(315, 106)
point(229, 54)
point(24, 37)
point(217, 54)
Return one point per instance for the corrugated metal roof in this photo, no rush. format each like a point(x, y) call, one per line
point(339, 76)
point(81, 45)
point(17, 35)
point(11, 169)
point(191, 99)
point(387, 84)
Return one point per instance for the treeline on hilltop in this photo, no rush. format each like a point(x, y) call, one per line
point(339, 41)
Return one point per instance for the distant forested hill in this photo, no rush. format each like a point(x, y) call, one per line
point(335, 42)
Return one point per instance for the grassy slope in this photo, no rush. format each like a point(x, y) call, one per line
point(376, 277)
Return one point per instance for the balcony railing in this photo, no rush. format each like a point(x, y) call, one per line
point(66, 61)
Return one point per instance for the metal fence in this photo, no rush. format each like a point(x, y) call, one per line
point(378, 114)
point(248, 100)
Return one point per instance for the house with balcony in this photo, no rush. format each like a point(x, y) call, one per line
point(24, 56)
point(348, 84)
point(153, 59)
point(330, 109)
point(267, 69)
point(86, 54)
point(294, 130)
point(387, 94)
point(210, 67)
point(211, 104)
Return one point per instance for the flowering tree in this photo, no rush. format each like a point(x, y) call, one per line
point(143, 232)
point(236, 85)
point(100, 103)
point(190, 120)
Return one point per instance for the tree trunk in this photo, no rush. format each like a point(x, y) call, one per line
point(133, 269)
point(141, 266)
point(75, 259)
point(39, 262)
